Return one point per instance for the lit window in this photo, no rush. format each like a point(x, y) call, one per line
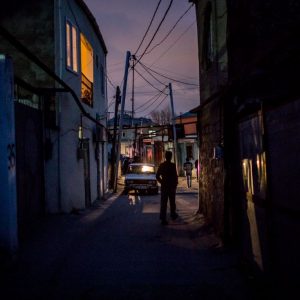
point(87, 70)
point(71, 47)
point(152, 133)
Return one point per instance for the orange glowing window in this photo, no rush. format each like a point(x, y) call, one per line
point(87, 62)
point(87, 70)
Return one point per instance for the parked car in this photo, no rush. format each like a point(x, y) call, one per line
point(141, 177)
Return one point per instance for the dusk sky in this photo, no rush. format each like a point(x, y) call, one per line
point(123, 24)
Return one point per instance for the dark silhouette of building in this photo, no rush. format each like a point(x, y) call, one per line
point(249, 130)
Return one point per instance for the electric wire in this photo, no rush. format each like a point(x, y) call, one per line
point(157, 105)
point(157, 6)
point(149, 105)
point(173, 44)
point(110, 104)
point(167, 77)
point(153, 99)
point(109, 80)
point(170, 31)
point(156, 31)
point(171, 73)
point(152, 75)
point(147, 81)
point(148, 100)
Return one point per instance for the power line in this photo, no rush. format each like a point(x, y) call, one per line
point(148, 26)
point(159, 25)
point(172, 45)
point(148, 81)
point(152, 75)
point(170, 31)
point(109, 80)
point(169, 78)
point(149, 105)
point(153, 99)
point(157, 105)
point(179, 76)
point(146, 108)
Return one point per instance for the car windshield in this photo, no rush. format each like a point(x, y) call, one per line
point(140, 169)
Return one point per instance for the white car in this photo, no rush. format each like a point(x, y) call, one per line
point(141, 177)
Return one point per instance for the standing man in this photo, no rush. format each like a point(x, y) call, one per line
point(197, 168)
point(167, 176)
point(188, 167)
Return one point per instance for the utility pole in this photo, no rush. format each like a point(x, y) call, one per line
point(135, 137)
point(132, 97)
point(173, 125)
point(113, 149)
point(121, 118)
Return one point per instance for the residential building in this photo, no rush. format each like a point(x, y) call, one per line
point(249, 131)
point(132, 129)
point(59, 63)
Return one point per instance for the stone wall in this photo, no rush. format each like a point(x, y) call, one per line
point(211, 177)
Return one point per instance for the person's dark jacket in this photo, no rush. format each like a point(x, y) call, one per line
point(166, 175)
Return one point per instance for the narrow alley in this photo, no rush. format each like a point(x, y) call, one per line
point(118, 250)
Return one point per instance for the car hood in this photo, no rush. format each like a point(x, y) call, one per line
point(140, 177)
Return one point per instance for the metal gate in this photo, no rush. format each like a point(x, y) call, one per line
point(30, 168)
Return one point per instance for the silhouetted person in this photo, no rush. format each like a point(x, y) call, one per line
point(125, 165)
point(166, 175)
point(197, 168)
point(188, 167)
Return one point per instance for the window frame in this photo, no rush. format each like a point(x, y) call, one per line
point(71, 43)
point(85, 81)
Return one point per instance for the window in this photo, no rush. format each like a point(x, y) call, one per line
point(152, 133)
point(87, 70)
point(72, 47)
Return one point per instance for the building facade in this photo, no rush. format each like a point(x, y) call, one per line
point(59, 62)
point(249, 130)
